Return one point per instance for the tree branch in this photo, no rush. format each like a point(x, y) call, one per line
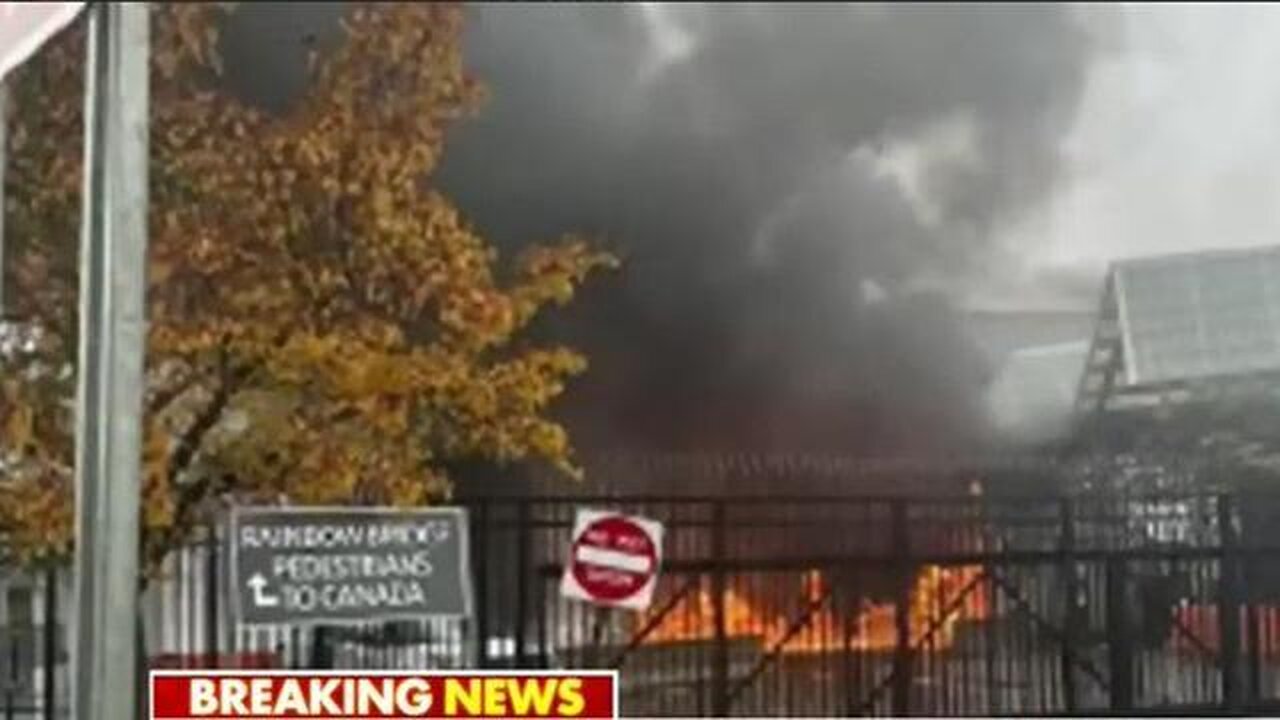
point(162, 398)
point(155, 547)
point(191, 440)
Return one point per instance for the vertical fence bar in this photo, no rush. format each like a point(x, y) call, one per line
point(1255, 649)
point(1071, 604)
point(903, 575)
point(12, 679)
point(50, 688)
point(524, 540)
point(321, 648)
point(719, 587)
point(849, 616)
point(211, 597)
point(480, 568)
point(1119, 634)
point(990, 647)
point(1229, 594)
point(540, 610)
point(295, 647)
point(11, 682)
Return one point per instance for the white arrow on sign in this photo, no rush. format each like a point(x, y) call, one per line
point(258, 585)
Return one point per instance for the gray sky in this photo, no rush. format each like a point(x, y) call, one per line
point(1176, 146)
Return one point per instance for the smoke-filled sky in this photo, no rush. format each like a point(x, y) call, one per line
point(807, 196)
point(883, 145)
point(801, 193)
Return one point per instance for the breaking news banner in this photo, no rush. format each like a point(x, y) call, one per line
point(187, 694)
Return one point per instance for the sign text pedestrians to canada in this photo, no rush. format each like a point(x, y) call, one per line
point(349, 564)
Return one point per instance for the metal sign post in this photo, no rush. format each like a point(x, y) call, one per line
point(112, 335)
point(110, 369)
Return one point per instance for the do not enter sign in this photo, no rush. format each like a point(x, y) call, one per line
point(614, 560)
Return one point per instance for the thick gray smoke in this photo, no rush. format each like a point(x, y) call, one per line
point(782, 181)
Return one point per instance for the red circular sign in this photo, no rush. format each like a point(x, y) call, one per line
point(613, 559)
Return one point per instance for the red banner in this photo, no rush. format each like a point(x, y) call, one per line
point(384, 695)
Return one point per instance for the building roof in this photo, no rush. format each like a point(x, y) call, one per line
point(1176, 323)
point(1202, 315)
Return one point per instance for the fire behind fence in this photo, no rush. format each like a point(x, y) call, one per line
point(824, 606)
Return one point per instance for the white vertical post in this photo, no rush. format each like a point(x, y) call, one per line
point(110, 370)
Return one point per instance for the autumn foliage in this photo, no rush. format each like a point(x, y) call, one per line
point(325, 326)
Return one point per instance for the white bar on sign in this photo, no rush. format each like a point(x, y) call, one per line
point(613, 559)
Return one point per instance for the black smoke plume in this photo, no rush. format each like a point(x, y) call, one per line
point(784, 289)
point(772, 297)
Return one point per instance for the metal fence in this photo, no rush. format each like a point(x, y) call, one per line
point(838, 605)
point(851, 606)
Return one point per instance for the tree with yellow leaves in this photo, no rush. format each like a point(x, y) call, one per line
point(324, 326)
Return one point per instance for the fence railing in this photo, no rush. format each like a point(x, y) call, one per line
point(833, 605)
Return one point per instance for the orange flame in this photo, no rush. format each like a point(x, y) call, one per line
point(937, 606)
point(1198, 629)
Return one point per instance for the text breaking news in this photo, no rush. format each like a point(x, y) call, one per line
point(219, 695)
